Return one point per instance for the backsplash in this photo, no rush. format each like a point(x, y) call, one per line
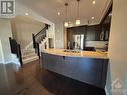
point(96, 44)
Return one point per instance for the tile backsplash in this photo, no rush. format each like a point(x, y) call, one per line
point(96, 44)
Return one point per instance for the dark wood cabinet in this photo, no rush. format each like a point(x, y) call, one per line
point(91, 33)
point(89, 70)
point(106, 30)
point(75, 31)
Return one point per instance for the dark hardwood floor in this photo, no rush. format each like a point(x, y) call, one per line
point(32, 79)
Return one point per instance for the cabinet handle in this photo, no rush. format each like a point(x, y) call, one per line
point(63, 57)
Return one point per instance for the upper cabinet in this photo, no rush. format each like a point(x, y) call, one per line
point(75, 31)
point(106, 23)
point(98, 32)
point(93, 33)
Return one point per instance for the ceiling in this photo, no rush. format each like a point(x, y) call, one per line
point(50, 8)
point(27, 19)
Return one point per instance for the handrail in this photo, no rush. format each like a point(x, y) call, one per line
point(40, 31)
point(37, 38)
point(46, 27)
point(15, 48)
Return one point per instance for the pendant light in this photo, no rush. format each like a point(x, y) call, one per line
point(78, 20)
point(66, 23)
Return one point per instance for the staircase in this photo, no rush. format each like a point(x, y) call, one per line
point(40, 39)
point(29, 55)
point(32, 50)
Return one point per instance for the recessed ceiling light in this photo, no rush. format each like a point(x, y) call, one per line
point(93, 2)
point(92, 17)
point(26, 14)
point(58, 13)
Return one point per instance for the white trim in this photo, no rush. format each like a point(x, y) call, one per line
point(7, 62)
point(107, 5)
point(1, 51)
point(29, 45)
point(106, 91)
point(30, 59)
point(15, 59)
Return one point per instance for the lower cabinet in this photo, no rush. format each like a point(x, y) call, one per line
point(89, 70)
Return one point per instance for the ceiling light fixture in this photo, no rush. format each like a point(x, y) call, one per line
point(26, 14)
point(58, 13)
point(78, 20)
point(66, 23)
point(93, 2)
point(92, 17)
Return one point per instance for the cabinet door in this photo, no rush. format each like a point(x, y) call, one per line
point(93, 33)
point(106, 29)
point(81, 30)
point(52, 62)
point(98, 32)
point(88, 70)
point(90, 34)
point(69, 65)
point(44, 61)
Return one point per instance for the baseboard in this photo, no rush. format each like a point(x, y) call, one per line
point(1, 61)
point(30, 60)
point(14, 60)
point(106, 91)
point(7, 62)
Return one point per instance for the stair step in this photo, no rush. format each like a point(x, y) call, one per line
point(28, 56)
point(30, 59)
point(24, 52)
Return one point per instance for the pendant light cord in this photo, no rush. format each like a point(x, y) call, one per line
point(66, 5)
point(78, 9)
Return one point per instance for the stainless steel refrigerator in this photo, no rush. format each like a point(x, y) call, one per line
point(78, 41)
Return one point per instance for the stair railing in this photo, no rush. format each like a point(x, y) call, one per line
point(15, 48)
point(37, 38)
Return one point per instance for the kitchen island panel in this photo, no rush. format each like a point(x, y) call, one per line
point(89, 70)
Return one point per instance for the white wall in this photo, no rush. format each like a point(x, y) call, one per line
point(59, 35)
point(22, 9)
point(5, 27)
point(23, 27)
point(1, 55)
point(5, 33)
point(118, 47)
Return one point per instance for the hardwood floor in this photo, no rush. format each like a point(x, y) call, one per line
point(32, 79)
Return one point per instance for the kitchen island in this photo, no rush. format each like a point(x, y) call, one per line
point(86, 66)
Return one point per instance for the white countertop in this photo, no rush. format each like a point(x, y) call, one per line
point(87, 54)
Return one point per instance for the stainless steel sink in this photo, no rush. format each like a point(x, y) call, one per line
point(72, 51)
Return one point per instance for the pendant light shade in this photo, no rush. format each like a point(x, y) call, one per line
point(66, 23)
point(77, 20)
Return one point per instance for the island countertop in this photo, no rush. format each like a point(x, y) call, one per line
point(87, 54)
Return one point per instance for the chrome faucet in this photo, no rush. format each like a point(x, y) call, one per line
point(69, 45)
